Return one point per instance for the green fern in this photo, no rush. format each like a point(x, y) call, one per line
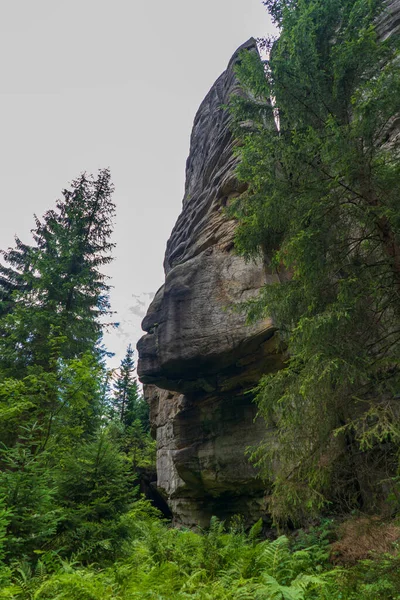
point(75, 586)
point(170, 564)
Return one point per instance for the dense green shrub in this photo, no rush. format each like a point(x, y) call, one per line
point(320, 156)
point(28, 489)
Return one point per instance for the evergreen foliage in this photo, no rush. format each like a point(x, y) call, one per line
point(53, 296)
point(53, 292)
point(321, 159)
point(28, 488)
point(65, 484)
point(128, 404)
point(95, 488)
point(130, 413)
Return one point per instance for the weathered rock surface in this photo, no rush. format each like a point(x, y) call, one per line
point(389, 22)
point(199, 357)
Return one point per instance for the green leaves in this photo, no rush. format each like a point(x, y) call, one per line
point(28, 489)
point(52, 296)
point(322, 209)
point(161, 562)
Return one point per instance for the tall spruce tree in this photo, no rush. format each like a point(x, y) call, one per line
point(54, 296)
point(127, 402)
point(323, 206)
point(53, 292)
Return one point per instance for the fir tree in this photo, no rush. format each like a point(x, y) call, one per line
point(54, 296)
point(127, 402)
point(53, 293)
point(95, 480)
point(27, 487)
point(323, 206)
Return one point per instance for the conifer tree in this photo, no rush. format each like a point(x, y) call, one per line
point(128, 403)
point(27, 486)
point(53, 293)
point(53, 297)
point(323, 207)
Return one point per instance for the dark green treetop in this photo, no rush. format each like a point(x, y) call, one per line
point(128, 402)
point(54, 296)
point(53, 293)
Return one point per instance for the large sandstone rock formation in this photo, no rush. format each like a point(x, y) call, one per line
point(199, 358)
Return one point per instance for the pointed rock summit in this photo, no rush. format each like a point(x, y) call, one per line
point(199, 359)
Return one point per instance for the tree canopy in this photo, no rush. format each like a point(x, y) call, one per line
point(53, 292)
point(66, 478)
point(319, 150)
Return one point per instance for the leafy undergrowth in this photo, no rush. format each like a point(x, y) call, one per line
point(157, 562)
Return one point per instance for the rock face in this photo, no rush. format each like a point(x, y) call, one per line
point(389, 22)
point(199, 357)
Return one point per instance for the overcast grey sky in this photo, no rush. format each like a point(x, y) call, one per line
point(87, 84)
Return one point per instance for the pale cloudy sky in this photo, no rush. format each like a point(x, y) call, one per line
point(86, 84)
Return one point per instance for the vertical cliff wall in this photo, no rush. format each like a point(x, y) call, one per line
point(199, 359)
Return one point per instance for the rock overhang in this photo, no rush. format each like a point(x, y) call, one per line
point(199, 358)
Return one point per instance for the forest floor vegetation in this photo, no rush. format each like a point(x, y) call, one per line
point(155, 561)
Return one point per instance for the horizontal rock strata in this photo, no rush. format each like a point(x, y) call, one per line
point(199, 358)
